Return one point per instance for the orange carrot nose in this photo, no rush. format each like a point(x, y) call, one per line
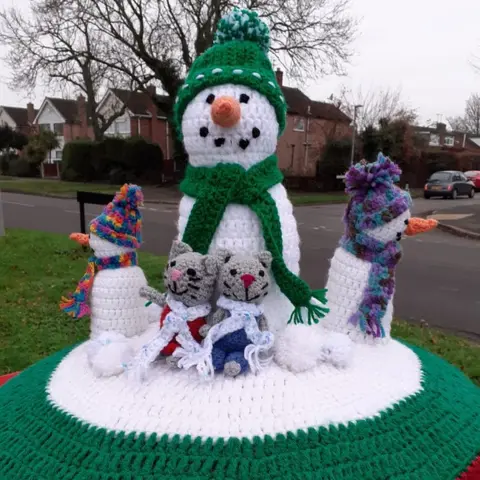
point(420, 225)
point(81, 238)
point(225, 111)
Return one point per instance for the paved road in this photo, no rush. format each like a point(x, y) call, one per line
point(438, 279)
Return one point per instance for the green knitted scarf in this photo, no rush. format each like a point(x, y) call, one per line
point(214, 188)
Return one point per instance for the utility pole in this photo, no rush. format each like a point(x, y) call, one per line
point(354, 132)
point(2, 223)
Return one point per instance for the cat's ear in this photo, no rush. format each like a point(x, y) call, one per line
point(223, 255)
point(265, 258)
point(211, 264)
point(178, 248)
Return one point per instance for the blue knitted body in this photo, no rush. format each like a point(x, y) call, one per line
point(231, 348)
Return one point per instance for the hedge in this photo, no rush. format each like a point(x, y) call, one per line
point(116, 160)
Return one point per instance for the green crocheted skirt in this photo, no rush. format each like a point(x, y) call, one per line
point(434, 434)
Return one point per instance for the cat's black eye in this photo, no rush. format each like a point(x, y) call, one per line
point(263, 263)
point(233, 272)
point(406, 222)
point(244, 98)
point(227, 258)
point(191, 272)
point(210, 98)
point(172, 264)
point(261, 273)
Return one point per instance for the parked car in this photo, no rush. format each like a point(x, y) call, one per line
point(474, 176)
point(448, 184)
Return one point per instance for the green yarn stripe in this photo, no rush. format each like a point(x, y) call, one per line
point(214, 188)
point(432, 435)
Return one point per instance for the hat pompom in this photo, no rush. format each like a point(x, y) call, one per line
point(243, 24)
point(378, 176)
point(131, 195)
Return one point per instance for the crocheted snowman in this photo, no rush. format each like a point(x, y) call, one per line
point(361, 278)
point(230, 113)
point(109, 290)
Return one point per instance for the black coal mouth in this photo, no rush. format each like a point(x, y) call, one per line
point(399, 236)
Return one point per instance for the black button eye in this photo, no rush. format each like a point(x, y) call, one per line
point(261, 273)
point(244, 98)
point(210, 98)
point(172, 264)
point(203, 132)
point(406, 222)
point(255, 132)
point(191, 272)
point(227, 258)
point(233, 272)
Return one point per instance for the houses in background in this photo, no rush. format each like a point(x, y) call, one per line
point(310, 124)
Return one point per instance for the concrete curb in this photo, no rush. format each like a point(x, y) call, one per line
point(457, 231)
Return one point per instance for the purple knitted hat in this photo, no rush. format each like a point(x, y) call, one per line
point(374, 198)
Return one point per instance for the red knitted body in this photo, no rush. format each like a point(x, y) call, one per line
point(194, 327)
point(473, 472)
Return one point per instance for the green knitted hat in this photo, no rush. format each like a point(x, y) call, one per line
point(239, 56)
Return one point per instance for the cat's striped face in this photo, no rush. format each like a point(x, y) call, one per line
point(190, 278)
point(246, 278)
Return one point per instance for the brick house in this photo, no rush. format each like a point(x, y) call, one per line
point(310, 124)
point(17, 118)
point(142, 117)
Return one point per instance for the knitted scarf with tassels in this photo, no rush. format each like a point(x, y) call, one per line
point(214, 188)
point(76, 305)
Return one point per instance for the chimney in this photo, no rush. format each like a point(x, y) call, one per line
point(82, 114)
point(441, 127)
point(279, 75)
point(151, 90)
point(30, 113)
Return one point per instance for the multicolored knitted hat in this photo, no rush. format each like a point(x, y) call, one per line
point(121, 221)
point(374, 198)
point(239, 56)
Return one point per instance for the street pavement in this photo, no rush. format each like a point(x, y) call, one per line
point(437, 280)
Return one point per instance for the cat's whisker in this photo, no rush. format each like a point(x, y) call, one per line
point(193, 286)
point(265, 286)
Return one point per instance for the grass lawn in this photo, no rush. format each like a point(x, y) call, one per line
point(37, 268)
point(38, 186)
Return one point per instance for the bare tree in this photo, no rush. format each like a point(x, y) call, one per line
point(377, 105)
point(149, 39)
point(57, 47)
point(470, 122)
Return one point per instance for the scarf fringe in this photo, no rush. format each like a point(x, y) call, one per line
point(315, 312)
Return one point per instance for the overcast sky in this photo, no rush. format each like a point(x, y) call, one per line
point(422, 46)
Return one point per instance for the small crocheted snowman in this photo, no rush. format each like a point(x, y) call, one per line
point(361, 279)
point(109, 290)
point(230, 113)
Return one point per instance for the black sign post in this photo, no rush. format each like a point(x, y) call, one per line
point(94, 199)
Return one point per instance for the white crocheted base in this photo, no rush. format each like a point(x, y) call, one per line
point(240, 232)
point(346, 283)
point(275, 401)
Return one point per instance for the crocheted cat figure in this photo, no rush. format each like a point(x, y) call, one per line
point(230, 112)
point(190, 280)
point(361, 279)
point(108, 291)
point(237, 337)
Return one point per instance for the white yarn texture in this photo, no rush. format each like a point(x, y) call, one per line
point(346, 283)
point(274, 401)
point(115, 303)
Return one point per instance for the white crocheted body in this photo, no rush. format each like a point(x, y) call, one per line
point(240, 232)
point(115, 303)
point(275, 401)
point(346, 283)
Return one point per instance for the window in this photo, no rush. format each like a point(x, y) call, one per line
point(44, 126)
point(449, 141)
point(434, 140)
point(58, 128)
point(58, 155)
point(440, 177)
point(299, 125)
